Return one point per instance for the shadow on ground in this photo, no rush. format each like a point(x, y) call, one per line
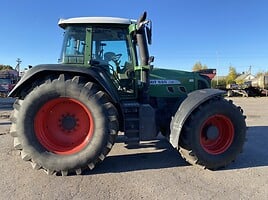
point(255, 154)
point(164, 157)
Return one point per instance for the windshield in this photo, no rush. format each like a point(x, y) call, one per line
point(74, 45)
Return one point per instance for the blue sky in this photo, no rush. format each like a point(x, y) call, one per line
point(218, 33)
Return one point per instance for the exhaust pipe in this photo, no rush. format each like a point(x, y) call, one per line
point(144, 59)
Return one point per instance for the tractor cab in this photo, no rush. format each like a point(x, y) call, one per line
point(95, 43)
point(108, 43)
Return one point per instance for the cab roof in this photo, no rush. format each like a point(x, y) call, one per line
point(63, 23)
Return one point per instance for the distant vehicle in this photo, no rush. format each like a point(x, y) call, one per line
point(210, 73)
point(256, 87)
point(8, 79)
point(261, 84)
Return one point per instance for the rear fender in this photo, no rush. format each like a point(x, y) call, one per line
point(193, 100)
point(95, 74)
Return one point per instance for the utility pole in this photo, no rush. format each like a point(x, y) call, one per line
point(217, 53)
point(249, 70)
point(18, 65)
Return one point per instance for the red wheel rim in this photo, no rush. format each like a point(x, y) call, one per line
point(217, 134)
point(63, 126)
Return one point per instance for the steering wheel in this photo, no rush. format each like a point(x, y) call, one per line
point(111, 56)
point(116, 58)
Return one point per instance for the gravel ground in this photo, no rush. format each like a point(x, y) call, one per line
point(152, 171)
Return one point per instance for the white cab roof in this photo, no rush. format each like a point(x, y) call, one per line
point(94, 20)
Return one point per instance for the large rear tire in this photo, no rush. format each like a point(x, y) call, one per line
point(213, 135)
point(64, 125)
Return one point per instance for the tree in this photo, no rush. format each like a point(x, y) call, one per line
point(5, 67)
point(198, 66)
point(231, 75)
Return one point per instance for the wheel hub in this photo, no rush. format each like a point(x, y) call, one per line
point(212, 133)
point(68, 122)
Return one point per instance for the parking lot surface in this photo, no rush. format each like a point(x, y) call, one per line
point(153, 171)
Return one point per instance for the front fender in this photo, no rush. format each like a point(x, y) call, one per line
point(193, 100)
point(40, 71)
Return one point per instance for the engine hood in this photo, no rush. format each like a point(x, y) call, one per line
point(172, 83)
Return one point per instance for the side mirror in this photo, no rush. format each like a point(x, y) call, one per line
point(149, 32)
point(151, 59)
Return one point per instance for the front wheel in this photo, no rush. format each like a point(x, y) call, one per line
point(65, 125)
point(213, 135)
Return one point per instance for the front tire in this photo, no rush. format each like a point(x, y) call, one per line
point(64, 125)
point(213, 135)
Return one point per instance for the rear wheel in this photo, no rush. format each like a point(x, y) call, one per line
point(213, 135)
point(64, 125)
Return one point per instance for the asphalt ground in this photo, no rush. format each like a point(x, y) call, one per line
point(153, 171)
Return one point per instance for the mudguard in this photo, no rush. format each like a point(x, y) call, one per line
point(95, 74)
point(193, 100)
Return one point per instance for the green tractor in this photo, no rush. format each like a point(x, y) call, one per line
point(67, 115)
